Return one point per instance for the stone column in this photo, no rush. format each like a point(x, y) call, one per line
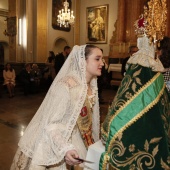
point(30, 13)
point(120, 21)
point(77, 22)
point(167, 33)
point(12, 39)
point(41, 31)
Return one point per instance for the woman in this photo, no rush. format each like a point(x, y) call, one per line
point(50, 70)
point(27, 79)
point(9, 79)
point(36, 74)
point(67, 121)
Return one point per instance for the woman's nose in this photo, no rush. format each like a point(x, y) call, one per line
point(102, 62)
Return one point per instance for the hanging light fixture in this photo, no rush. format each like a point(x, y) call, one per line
point(65, 16)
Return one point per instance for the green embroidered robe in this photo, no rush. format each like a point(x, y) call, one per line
point(136, 127)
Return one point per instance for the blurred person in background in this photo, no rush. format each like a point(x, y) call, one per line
point(27, 79)
point(132, 49)
point(163, 52)
point(36, 74)
point(49, 71)
point(61, 58)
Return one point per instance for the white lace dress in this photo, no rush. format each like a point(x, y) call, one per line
point(48, 136)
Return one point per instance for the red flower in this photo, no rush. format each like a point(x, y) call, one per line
point(141, 22)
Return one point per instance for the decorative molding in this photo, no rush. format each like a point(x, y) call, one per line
point(4, 12)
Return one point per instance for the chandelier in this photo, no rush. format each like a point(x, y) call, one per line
point(65, 16)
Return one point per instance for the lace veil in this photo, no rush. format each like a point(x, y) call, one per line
point(47, 137)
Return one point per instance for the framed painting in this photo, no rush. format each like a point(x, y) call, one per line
point(56, 6)
point(97, 24)
point(11, 26)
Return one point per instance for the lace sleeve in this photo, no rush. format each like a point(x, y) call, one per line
point(58, 143)
point(49, 128)
point(56, 130)
point(57, 125)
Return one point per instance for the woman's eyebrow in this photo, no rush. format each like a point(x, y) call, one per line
point(99, 56)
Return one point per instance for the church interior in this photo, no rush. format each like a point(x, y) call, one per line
point(29, 29)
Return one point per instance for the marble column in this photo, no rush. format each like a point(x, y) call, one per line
point(167, 33)
point(41, 31)
point(12, 39)
point(77, 22)
point(121, 21)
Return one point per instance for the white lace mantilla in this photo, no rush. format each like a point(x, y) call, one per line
point(48, 136)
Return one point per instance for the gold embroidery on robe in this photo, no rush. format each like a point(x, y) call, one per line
point(84, 122)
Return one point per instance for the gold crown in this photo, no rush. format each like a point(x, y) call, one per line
point(153, 21)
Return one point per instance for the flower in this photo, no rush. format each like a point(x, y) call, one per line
point(128, 95)
point(132, 148)
point(140, 25)
point(168, 159)
point(132, 167)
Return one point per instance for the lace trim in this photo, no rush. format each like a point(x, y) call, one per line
point(84, 121)
point(146, 55)
point(146, 61)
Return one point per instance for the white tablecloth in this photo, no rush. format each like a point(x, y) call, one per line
point(93, 155)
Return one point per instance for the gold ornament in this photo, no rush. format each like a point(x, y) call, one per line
point(153, 21)
point(156, 17)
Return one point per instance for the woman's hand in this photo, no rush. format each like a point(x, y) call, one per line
point(69, 158)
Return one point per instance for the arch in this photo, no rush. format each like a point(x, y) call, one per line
point(59, 45)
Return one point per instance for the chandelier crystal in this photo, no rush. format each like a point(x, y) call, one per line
point(65, 16)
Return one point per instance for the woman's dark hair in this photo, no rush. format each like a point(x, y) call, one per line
point(67, 47)
point(6, 69)
point(52, 53)
point(88, 50)
point(165, 51)
point(51, 57)
point(27, 64)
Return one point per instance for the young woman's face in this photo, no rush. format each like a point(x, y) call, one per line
point(94, 63)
